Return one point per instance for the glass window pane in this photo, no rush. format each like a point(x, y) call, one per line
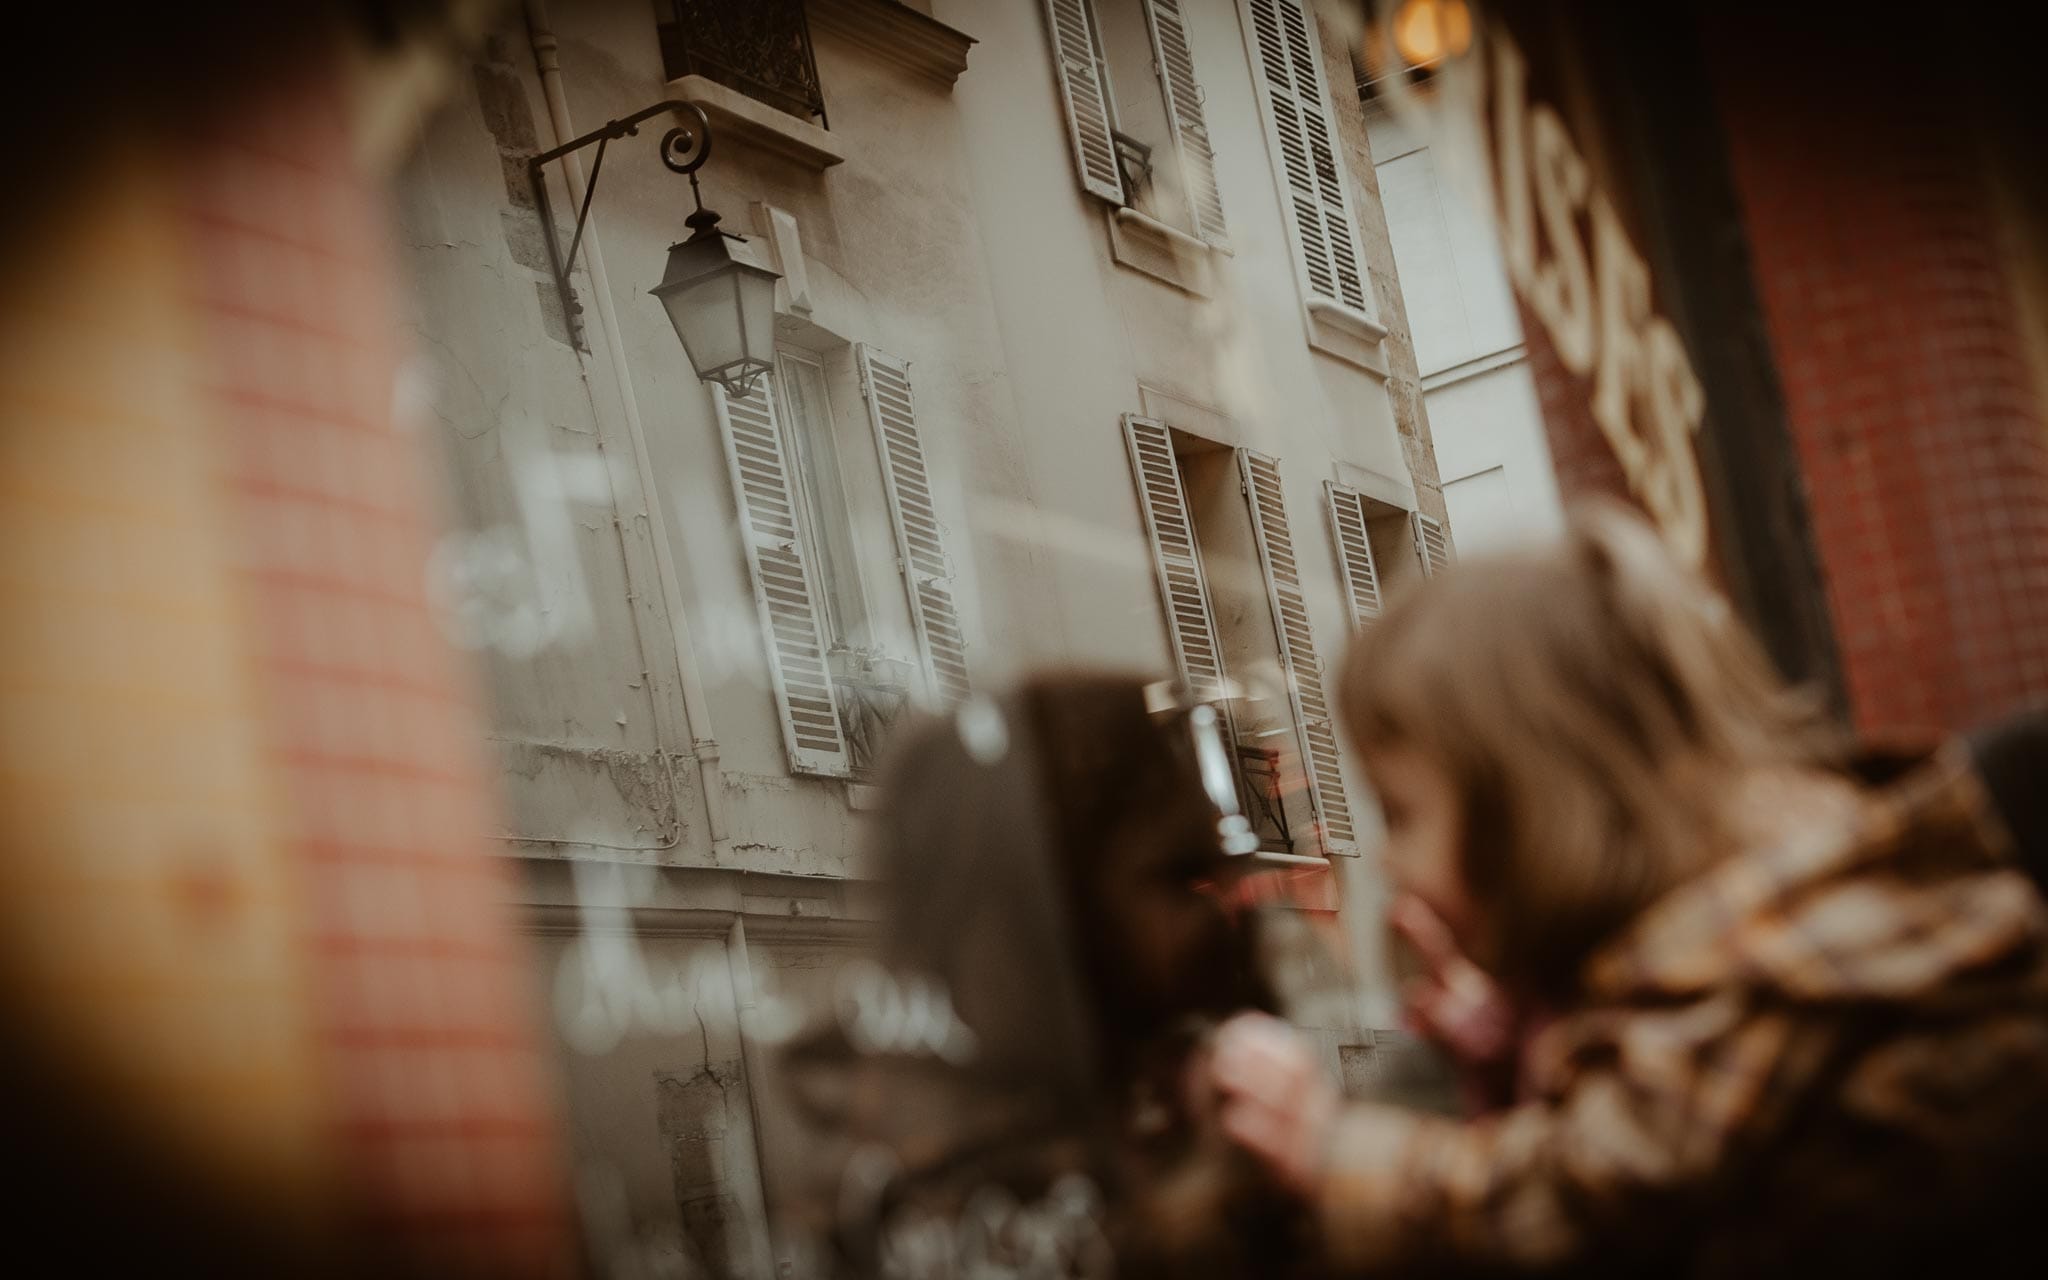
point(828, 524)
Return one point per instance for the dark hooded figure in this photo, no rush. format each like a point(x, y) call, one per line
point(2011, 755)
point(1005, 1090)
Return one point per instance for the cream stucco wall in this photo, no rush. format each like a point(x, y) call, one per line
point(1485, 419)
point(956, 236)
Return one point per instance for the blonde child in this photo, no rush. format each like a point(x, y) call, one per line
point(1746, 1007)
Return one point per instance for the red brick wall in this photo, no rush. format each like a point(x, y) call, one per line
point(1904, 373)
point(1873, 244)
point(257, 972)
point(440, 1112)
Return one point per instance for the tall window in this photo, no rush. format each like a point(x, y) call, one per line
point(1306, 154)
point(826, 519)
point(1134, 110)
point(1237, 623)
point(838, 671)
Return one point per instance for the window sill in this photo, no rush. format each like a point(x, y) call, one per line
point(1350, 336)
point(818, 775)
point(735, 116)
point(1277, 859)
point(1146, 224)
point(1356, 322)
point(1167, 254)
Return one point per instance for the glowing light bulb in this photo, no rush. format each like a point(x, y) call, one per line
point(1428, 31)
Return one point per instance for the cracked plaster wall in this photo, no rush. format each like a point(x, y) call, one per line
point(953, 235)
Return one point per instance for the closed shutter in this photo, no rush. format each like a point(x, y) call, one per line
point(885, 383)
point(1184, 116)
point(1304, 134)
point(1084, 83)
point(1354, 552)
point(765, 492)
point(1298, 651)
point(1190, 626)
point(1432, 544)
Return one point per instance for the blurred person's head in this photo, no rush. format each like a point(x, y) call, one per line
point(1049, 863)
point(1048, 857)
point(1552, 735)
point(1138, 839)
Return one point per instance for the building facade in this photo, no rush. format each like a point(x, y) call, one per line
point(1484, 414)
point(1090, 353)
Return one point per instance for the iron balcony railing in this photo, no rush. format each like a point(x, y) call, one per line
point(761, 48)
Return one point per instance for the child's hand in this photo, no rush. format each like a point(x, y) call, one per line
point(1276, 1102)
point(1454, 1002)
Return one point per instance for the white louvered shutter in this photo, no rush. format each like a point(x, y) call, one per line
point(920, 545)
point(765, 490)
point(1354, 552)
point(1190, 625)
point(1432, 544)
point(1184, 116)
point(1298, 651)
point(1305, 138)
point(1084, 83)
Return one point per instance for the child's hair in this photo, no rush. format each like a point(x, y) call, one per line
point(1591, 702)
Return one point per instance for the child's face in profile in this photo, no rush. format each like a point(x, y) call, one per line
point(1424, 847)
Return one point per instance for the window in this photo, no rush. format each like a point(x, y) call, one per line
point(826, 518)
point(1432, 544)
point(839, 672)
point(1351, 517)
point(1304, 138)
point(782, 566)
point(1370, 536)
point(1237, 621)
point(761, 48)
point(1134, 110)
point(885, 383)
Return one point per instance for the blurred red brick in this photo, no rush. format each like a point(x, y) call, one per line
point(440, 1102)
point(1868, 215)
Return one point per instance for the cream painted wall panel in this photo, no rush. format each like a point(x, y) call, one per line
point(1459, 303)
point(659, 1135)
point(1491, 450)
point(1483, 284)
point(1483, 505)
point(1494, 422)
point(514, 418)
point(1428, 263)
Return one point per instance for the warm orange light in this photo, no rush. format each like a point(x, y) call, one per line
point(1428, 31)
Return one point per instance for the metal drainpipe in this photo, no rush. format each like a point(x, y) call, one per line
point(739, 969)
point(696, 709)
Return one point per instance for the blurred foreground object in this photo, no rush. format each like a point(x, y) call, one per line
point(261, 1002)
point(1774, 274)
point(1052, 865)
point(1790, 1010)
point(2012, 756)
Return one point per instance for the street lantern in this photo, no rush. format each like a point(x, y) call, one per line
point(722, 304)
point(719, 298)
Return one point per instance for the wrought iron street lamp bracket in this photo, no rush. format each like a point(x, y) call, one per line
point(684, 149)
